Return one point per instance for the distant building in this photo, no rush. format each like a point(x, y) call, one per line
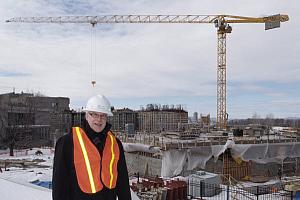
point(195, 118)
point(129, 129)
point(119, 120)
point(121, 117)
point(166, 118)
point(152, 119)
point(33, 120)
point(205, 122)
point(77, 118)
point(255, 130)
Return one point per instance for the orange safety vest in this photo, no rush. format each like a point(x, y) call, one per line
point(92, 171)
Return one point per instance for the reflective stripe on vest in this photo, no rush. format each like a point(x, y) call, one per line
point(87, 161)
point(109, 174)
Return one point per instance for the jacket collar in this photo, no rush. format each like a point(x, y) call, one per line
point(92, 134)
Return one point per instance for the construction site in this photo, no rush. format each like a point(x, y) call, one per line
point(169, 158)
point(257, 165)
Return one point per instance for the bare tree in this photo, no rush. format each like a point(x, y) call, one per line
point(269, 119)
point(255, 118)
point(2, 125)
point(16, 117)
point(8, 135)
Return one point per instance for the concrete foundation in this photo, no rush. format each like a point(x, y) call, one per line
point(137, 163)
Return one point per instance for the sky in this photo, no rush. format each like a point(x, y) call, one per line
point(139, 64)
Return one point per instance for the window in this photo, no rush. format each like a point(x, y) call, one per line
point(20, 118)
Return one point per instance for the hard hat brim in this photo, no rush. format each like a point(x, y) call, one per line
point(110, 114)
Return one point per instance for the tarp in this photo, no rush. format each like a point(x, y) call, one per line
point(197, 157)
point(173, 162)
point(133, 147)
point(266, 153)
point(176, 160)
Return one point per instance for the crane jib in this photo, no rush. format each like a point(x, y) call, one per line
point(221, 22)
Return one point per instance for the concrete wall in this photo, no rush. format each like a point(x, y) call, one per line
point(138, 163)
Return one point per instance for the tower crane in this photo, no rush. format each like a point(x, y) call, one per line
point(221, 22)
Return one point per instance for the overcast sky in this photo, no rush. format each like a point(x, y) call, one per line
point(138, 64)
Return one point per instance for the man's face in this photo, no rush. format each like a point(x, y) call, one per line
point(96, 120)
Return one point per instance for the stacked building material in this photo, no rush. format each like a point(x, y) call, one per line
point(159, 189)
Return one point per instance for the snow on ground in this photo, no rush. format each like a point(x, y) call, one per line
point(47, 153)
point(13, 191)
point(15, 183)
point(20, 175)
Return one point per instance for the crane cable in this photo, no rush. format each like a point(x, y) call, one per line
point(93, 55)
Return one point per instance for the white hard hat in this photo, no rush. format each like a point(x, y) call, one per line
point(98, 103)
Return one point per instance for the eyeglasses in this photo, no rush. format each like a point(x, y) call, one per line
point(97, 116)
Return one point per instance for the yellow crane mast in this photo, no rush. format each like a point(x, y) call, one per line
point(221, 22)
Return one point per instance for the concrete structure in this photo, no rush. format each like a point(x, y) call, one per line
point(236, 157)
point(205, 122)
point(157, 119)
point(129, 129)
point(121, 117)
point(33, 119)
point(255, 130)
point(143, 163)
point(208, 183)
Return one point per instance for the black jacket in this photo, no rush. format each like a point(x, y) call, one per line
point(64, 181)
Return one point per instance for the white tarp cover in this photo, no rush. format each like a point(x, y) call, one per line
point(133, 147)
point(217, 150)
point(197, 157)
point(265, 153)
point(174, 161)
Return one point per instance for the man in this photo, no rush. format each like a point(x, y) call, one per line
point(89, 163)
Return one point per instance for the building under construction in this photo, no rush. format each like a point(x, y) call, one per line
point(257, 158)
point(122, 117)
point(156, 118)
